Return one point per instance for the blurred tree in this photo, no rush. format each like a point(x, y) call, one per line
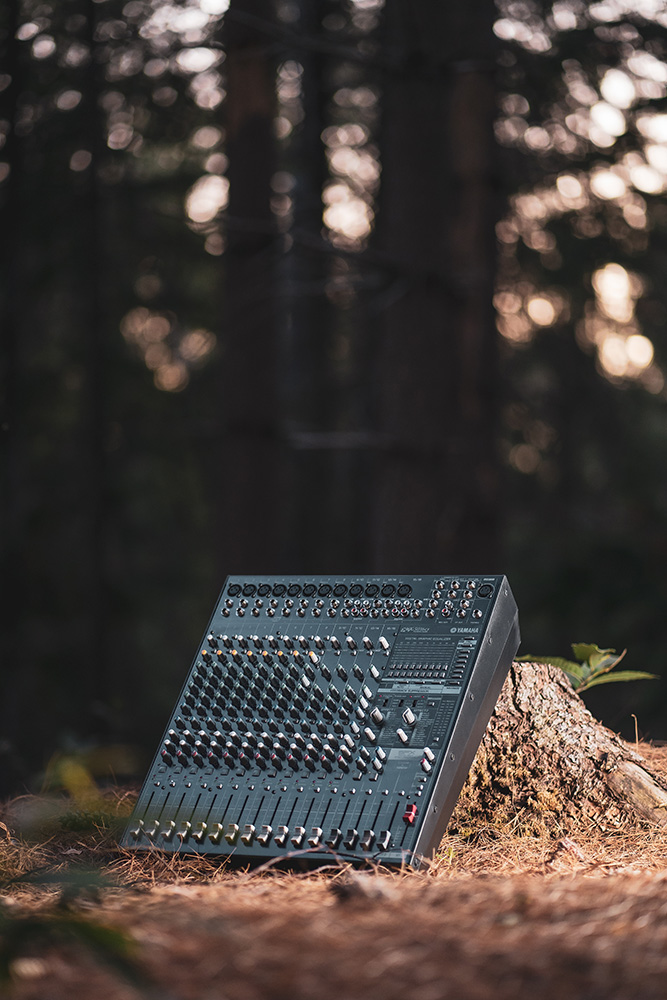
point(580, 306)
point(245, 297)
point(436, 499)
point(250, 504)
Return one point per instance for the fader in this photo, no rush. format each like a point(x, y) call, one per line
point(331, 715)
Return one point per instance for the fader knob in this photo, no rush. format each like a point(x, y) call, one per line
point(200, 832)
point(231, 833)
point(334, 838)
point(248, 834)
point(384, 840)
point(215, 833)
point(299, 834)
point(281, 837)
point(351, 838)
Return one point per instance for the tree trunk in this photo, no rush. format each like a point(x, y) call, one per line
point(246, 480)
point(436, 378)
point(546, 766)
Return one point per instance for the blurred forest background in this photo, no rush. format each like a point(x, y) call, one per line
point(323, 285)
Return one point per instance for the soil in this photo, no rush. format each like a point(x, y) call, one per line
point(498, 915)
point(531, 895)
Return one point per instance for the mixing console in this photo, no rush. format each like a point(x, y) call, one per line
point(329, 716)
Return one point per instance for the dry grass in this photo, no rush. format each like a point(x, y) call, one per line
point(499, 914)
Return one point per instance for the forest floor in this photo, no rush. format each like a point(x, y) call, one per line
point(501, 914)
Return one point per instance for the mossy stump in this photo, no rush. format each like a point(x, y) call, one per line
point(546, 766)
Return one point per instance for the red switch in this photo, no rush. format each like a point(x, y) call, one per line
point(410, 815)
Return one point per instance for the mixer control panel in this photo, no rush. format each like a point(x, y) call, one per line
point(332, 716)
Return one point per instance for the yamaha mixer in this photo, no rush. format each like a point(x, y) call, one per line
point(329, 716)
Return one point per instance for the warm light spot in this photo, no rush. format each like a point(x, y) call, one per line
point(282, 182)
point(653, 127)
point(345, 135)
point(608, 118)
point(507, 302)
point(569, 187)
point(216, 163)
point(639, 350)
point(196, 345)
point(68, 99)
point(355, 97)
point(601, 138)
point(206, 90)
point(506, 231)
point(613, 356)
point(80, 160)
point(646, 65)
point(43, 47)
point(537, 138)
point(541, 310)
point(525, 458)
point(504, 28)
point(156, 67)
point(27, 31)
point(207, 196)
point(351, 218)
point(196, 60)
point(652, 380)
point(358, 165)
point(171, 377)
point(282, 127)
point(214, 7)
point(120, 136)
point(564, 17)
point(516, 328)
point(657, 157)
point(206, 137)
point(618, 89)
point(214, 244)
point(634, 211)
point(607, 184)
point(615, 293)
point(515, 104)
point(530, 206)
point(144, 327)
point(156, 355)
point(646, 178)
point(346, 214)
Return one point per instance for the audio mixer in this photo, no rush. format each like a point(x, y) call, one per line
point(331, 716)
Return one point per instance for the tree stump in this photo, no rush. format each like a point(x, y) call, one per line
point(547, 766)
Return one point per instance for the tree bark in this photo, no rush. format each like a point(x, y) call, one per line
point(546, 766)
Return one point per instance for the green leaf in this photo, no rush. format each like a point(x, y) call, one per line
point(586, 651)
point(622, 675)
